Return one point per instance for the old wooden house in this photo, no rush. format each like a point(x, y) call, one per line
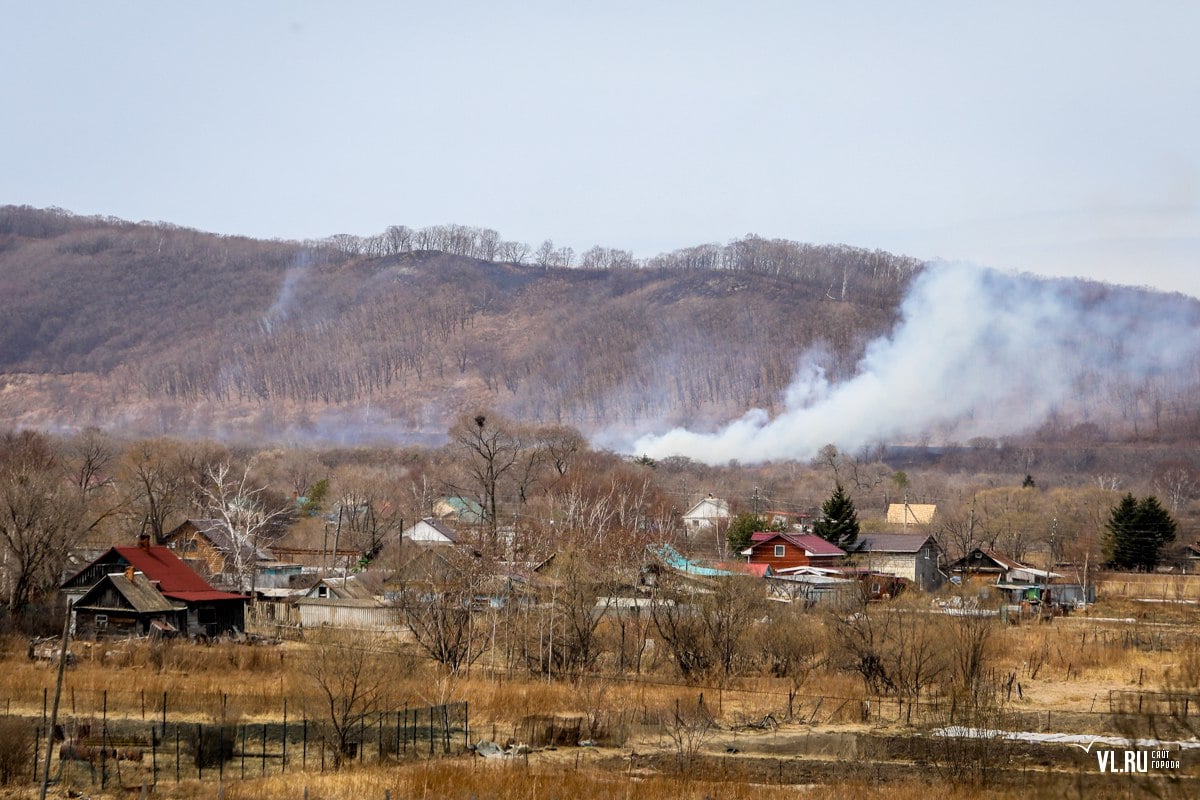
point(209, 611)
point(127, 604)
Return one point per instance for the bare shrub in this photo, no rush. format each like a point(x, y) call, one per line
point(16, 749)
point(603, 723)
point(793, 646)
point(897, 648)
point(708, 631)
point(965, 745)
point(349, 678)
point(688, 726)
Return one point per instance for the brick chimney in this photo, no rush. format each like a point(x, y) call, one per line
point(144, 542)
point(129, 574)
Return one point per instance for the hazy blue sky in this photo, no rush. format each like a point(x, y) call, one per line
point(1055, 137)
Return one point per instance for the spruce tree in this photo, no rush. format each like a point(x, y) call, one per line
point(1136, 532)
point(839, 521)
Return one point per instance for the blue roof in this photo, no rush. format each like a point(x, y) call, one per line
point(673, 559)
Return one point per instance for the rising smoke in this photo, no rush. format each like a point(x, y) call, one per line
point(285, 300)
point(976, 352)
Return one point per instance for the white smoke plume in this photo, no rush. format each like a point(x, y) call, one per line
point(975, 352)
point(285, 300)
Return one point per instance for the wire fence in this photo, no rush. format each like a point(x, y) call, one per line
point(122, 751)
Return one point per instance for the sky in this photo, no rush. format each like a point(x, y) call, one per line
point(1055, 138)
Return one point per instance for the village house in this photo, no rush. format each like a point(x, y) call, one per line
point(911, 513)
point(209, 611)
point(127, 604)
point(708, 514)
point(912, 556)
point(356, 602)
point(208, 546)
point(1017, 581)
point(983, 565)
point(1191, 558)
point(783, 550)
point(430, 531)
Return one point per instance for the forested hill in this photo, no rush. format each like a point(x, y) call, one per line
point(160, 326)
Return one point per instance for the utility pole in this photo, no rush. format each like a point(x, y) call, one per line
point(62, 664)
point(755, 498)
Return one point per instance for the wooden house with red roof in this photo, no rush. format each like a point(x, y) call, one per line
point(784, 550)
point(208, 611)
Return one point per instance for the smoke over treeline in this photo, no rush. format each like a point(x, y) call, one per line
point(152, 328)
point(977, 352)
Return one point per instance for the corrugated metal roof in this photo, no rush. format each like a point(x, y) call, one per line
point(173, 577)
point(890, 542)
point(673, 559)
point(810, 543)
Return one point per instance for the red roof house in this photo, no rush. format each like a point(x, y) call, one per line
point(783, 550)
point(210, 611)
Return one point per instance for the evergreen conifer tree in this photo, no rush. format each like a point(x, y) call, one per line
point(1136, 532)
point(839, 521)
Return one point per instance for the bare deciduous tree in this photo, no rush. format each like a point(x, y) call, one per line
point(157, 483)
point(40, 512)
point(492, 449)
point(437, 595)
point(234, 500)
point(708, 628)
point(349, 679)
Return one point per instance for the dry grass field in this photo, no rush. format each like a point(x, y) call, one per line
point(1120, 666)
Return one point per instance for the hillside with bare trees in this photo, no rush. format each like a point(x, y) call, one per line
point(414, 325)
point(155, 329)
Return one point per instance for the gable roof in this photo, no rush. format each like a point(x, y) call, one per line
point(810, 543)
point(911, 513)
point(720, 508)
point(908, 543)
point(442, 528)
point(219, 536)
point(138, 592)
point(173, 577)
point(360, 589)
point(983, 559)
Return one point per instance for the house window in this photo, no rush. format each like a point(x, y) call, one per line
point(322, 591)
point(102, 621)
point(779, 551)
